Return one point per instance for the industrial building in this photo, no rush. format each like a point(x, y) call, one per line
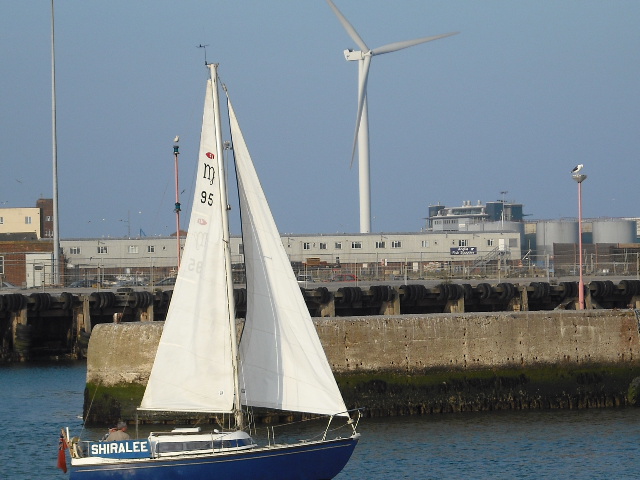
point(466, 241)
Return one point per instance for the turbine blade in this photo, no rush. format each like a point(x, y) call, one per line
point(348, 27)
point(362, 95)
point(393, 47)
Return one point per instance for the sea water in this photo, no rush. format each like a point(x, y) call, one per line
point(37, 400)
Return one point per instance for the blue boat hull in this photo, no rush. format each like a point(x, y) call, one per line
point(303, 461)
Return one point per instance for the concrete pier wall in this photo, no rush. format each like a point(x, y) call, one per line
point(410, 364)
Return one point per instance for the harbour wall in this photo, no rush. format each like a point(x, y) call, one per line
point(422, 364)
point(43, 325)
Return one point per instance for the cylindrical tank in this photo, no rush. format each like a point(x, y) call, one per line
point(614, 231)
point(555, 231)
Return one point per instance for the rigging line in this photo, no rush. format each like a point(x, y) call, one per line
point(240, 374)
point(244, 266)
point(84, 420)
point(228, 266)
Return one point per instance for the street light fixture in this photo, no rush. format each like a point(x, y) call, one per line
point(579, 178)
point(176, 153)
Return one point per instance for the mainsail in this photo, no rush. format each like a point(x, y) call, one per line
point(283, 365)
point(193, 369)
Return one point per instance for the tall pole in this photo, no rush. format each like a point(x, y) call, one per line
point(580, 178)
point(56, 233)
point(581, 282)
point(176, 152)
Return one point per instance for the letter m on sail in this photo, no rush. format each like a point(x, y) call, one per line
point(209, 173)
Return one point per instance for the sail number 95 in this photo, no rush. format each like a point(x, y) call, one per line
point(194, 266)
point(206, 198)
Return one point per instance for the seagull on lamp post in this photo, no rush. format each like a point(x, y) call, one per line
point(577, 168)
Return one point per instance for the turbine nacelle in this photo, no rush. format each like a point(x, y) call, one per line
point(355, 55)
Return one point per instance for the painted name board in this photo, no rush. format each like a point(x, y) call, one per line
point(121, 449)
point(463, 250)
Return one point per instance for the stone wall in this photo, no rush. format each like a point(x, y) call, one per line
point(479, 340)
point(409, 364)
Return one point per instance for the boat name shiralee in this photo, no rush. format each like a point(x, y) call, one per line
point(121, 447)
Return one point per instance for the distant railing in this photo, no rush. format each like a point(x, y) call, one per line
point(493, 264)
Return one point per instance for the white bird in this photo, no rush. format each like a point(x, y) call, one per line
point(177, 139)
point(577, 168)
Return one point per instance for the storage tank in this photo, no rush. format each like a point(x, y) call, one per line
point(555, 231)
point(614, 231)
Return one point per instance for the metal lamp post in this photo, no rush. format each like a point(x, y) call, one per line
point(176, 152)
point(579, 178)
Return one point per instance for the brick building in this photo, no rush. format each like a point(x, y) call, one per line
point(26, 246)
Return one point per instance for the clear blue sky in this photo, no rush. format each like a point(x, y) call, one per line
point(527, 90)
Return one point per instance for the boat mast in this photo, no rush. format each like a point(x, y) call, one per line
point(222, 180)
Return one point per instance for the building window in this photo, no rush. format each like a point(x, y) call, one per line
point(102, 249)
point(490, 242)
point(49, 218)
point(1, 220)
point(323, 246)
point(306, 246)
point(1, 265)
point(396, 244)
point(513, 242)
point(425, 243)
point(463, 243)
point(27, 220)
point(338, 246)
point(356, 244)
point(380, 244)
point(241, 248)
point(74, 250)
point(133, 249)
point(151, 249)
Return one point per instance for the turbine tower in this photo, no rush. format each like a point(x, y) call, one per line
point(361, 138)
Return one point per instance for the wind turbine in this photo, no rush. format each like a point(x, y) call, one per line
point(361, 138)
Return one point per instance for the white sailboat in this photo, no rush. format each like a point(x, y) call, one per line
point(199, 367)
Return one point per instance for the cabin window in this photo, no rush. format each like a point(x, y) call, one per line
point(323, 246)
point(133, 249)
point(169, 447)
point(380, 244)
point(425, 243)
point(27, 220)
point(102, 249)
point(396, 244)
point(151, 249)
point(74, 250)
point(356, 244)
point(306, 246)
point(338, 246)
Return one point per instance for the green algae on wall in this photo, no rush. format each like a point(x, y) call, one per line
point(106, 405)
point(544, 387)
